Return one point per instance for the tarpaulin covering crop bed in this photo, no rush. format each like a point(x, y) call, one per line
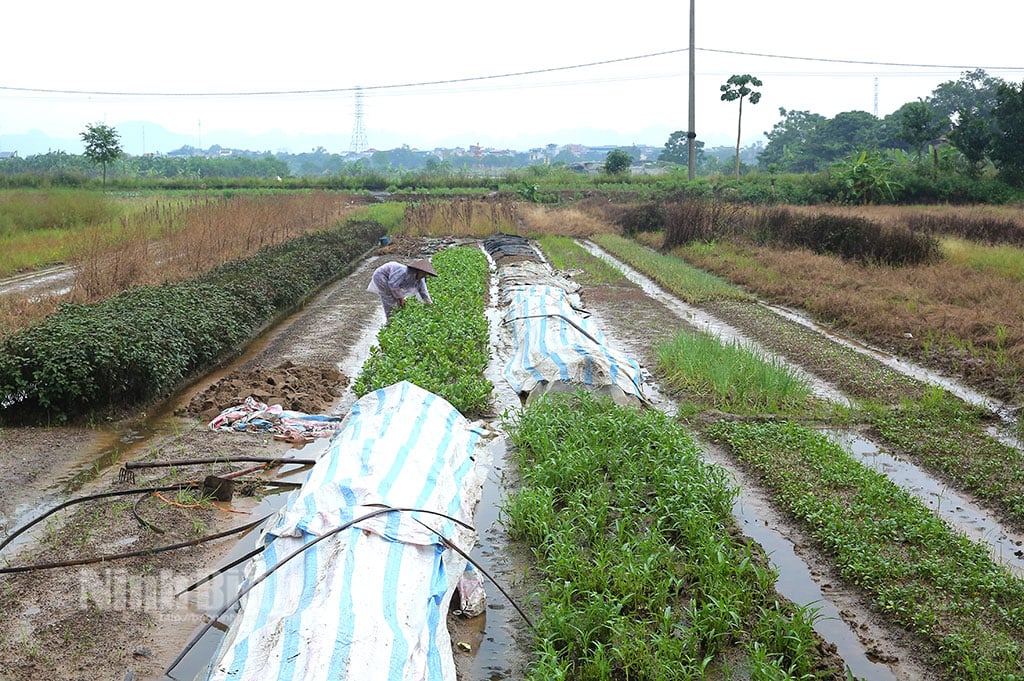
point(555, 347)
point(369, 601)
point(545, 335)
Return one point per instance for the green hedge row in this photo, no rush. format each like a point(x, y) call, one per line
point(141, 344)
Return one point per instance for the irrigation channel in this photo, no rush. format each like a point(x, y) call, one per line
point(339, 327)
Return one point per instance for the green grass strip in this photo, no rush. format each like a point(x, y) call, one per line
point(564, 254)
point(688, 283)
point(642, 576)
point(928, 578)
point(729, 377)
point(442, 348)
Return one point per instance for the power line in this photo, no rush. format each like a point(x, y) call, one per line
point(532, 72)
point(868, 63)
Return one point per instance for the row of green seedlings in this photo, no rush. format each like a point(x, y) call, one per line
point(443, 347)
point(928, 577)
point(140, 344)
point(931, 427)
point(642, 574)
point(918, 571)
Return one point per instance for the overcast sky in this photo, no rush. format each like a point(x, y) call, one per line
point(437, 74)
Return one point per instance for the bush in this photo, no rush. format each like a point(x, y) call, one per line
point(140, 344)
point(850, 237)
point(637, 218)
point(690, 221)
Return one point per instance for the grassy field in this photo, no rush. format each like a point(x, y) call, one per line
point(116, 242)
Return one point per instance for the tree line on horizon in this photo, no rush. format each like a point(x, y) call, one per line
point(973, 126)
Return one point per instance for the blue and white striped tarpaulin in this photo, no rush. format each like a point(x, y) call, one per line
point(369, 602)
point(553, 344)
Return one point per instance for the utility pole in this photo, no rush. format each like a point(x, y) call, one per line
point(691, 136)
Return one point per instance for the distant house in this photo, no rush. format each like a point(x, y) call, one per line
point(587, 167)
point(8, 154)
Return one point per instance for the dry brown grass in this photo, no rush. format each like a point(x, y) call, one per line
point(18, 309)
point(197, 237)
point(897, 214)
point(176, 241)
point(571, 221)
point(458, 217)
point(968, 321)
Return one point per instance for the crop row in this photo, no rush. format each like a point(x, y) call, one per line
point(142, 343)
point(919, 572)
point(916, 569)
point(442, 348)
point(642, 573)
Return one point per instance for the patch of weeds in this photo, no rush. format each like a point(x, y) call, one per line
point(564, 254)
point(688, 283)
point(730, 377)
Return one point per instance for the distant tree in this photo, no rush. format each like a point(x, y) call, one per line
point(677, 149)
point(738, 87)
point(850, 131)
point(435, 166)
point(617, 162)
point(1008, 144)
point(974, 91)
point(919, 125)
point(796, 144)
point(973, 136)
point(102, 145)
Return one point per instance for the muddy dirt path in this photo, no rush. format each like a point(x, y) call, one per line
point(87, 623)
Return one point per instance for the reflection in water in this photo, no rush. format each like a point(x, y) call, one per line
point(754, 515)
point(958, 510)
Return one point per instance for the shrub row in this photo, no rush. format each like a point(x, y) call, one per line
point(849, 237)
point(982, 229)
point(141, 344)
point(846, 236)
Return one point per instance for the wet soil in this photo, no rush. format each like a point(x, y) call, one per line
point(105, 620)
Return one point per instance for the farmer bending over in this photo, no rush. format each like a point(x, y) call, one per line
point(394, 282)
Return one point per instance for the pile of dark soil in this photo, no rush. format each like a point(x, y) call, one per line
point(308, 389)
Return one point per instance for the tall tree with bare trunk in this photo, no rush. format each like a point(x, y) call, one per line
point(739, 87)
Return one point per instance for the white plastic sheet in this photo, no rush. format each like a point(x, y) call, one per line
point(368, 602)
point(553, 346)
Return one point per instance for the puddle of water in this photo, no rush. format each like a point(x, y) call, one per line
point(43, 281)
point(959, 511)
point(71, 477)
point(754, 515)
point(495, 655)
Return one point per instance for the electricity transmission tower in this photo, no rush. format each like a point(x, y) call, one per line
point(358, 133)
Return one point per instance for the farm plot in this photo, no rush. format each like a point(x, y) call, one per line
point(63, 640)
